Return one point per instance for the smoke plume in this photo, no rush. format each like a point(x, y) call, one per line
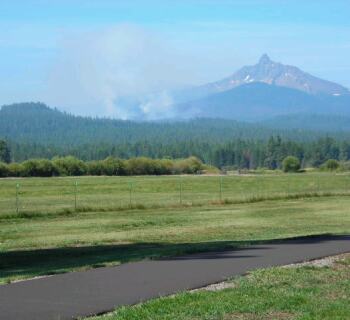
point(122, 72)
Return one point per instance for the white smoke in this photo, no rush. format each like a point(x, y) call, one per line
point(122, 71)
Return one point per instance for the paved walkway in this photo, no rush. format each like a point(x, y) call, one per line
point(77, 294)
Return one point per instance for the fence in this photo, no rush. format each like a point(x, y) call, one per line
point(100, 193)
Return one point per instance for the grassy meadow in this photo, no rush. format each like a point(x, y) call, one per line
point(53, 195)
point(121, 219)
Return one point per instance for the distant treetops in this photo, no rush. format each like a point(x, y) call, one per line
point(5, 155)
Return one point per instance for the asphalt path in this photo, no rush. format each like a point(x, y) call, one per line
point(78, 294)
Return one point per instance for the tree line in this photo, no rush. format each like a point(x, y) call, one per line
point(71, 166)
point(236, 154)
point(33, 130)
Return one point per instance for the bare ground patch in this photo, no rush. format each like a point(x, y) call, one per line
point(277, 315)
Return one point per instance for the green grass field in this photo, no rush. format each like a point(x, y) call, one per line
point(302, 293)
point(48, 236)
point(43, 195)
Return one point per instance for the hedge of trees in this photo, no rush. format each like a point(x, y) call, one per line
point(111, 166)
point(237, 154)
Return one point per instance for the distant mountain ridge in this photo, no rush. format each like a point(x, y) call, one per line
point(253, 93)
point(278, 74)
point(257, 101)
point(265, 90)
point(39, 124)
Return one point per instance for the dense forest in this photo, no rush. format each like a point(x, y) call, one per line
point(33, 130)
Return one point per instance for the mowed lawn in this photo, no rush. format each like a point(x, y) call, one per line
point(55, 240)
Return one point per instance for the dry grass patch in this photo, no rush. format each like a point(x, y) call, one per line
point(275, 315)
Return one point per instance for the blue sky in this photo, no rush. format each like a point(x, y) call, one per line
point(41, 42)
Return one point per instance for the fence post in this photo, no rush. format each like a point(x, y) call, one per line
point(180, 191)
point(75, 194)
point(130, 194)
point(17, 198)
point(220, 189)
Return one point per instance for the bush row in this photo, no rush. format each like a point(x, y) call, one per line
point(292, 164)
point(71, 166)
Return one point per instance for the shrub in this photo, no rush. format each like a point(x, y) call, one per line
point(291, 164)
point(208, 169)
point(70, 166)
point(16, 169)
point(331, 165)
point(113, 167)
point(94, 168)
point(39, 168)
point(4, 170)
point(190, 165)
point(140, 166)
point(165, 166)
point(110, 167)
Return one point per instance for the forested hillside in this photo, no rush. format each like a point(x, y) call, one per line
point(37, 123)
point(314, 122)
point(33, 130)
point(254, 101)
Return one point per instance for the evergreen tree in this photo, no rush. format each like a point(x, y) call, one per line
point(5, 154)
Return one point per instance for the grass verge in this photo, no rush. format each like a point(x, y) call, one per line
point(276, 293)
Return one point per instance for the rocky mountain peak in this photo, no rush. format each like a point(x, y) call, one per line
point(278, 74)
point(265, 59)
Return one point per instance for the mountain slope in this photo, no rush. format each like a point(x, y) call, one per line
point(270, 72)
point(35, 123)
point(315, 122)
point(258, 100)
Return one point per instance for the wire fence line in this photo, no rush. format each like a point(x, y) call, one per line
point(54, 194)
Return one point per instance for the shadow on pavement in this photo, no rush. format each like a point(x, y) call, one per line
point(29, 263)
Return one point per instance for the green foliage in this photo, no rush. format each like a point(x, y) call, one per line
point(71, 166)
point(114, 166)
point(331, 165)
point(110, 167)
point(36, 131)
point(15, 169)
point(39, 168)
point(291, 164)
point(5, 154)
point(210, 169)
point(4, 170)
point(190, 166)
point(237, 154)
point(142, 165)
